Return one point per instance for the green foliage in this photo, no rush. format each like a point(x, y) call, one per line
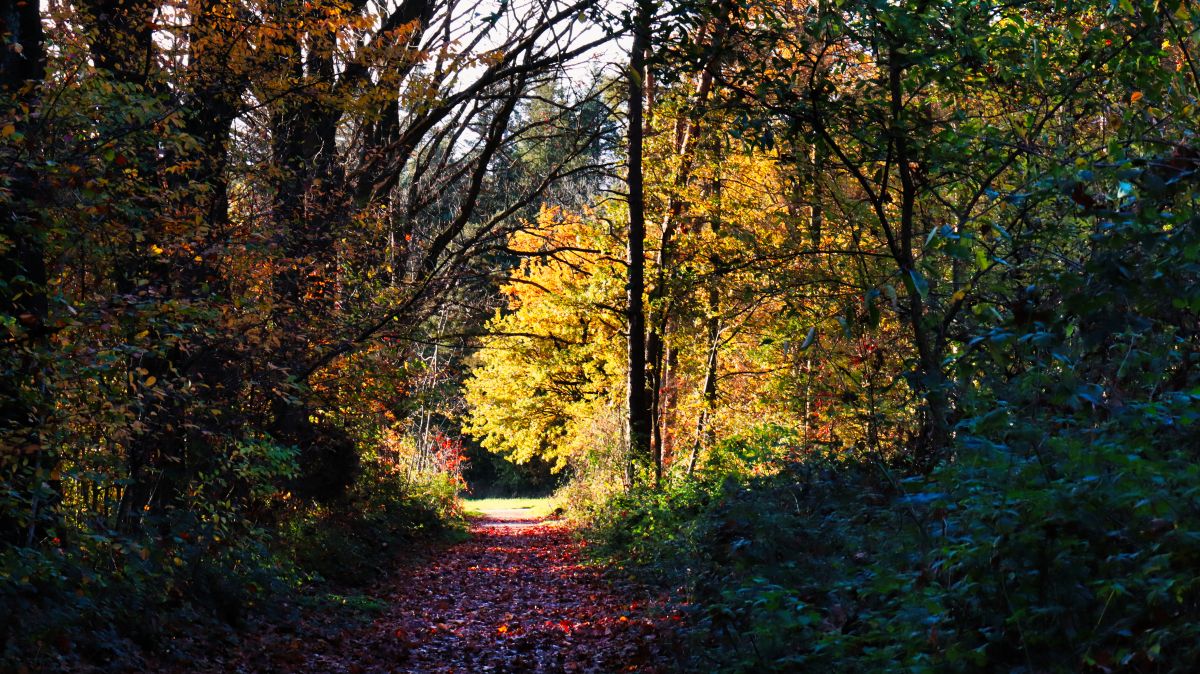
point(105, 596)
point(108, 596)
point(758, 450)
point(489, 474)
point(351, 540)
point(1077, 551)
point(1063, 543)
point(778, 565)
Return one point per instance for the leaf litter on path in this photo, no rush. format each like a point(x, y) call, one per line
point(515, 598)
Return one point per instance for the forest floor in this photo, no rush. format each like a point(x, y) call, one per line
point(516, 597)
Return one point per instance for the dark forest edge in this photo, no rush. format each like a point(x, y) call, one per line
point(870, 329)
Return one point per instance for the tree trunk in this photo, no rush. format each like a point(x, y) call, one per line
point(704, 432)
point(930, 381)
point(637, 396)
point(687, 131)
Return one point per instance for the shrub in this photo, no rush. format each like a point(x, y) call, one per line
point(1042, 553)
point(349, 540)
point(237, 545)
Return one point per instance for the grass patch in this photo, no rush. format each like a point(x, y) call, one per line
point(531, 507)
point(359, 605)
point(331, 607)
point(358, 602)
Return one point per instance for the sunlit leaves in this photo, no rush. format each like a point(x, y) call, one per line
point(552, 360)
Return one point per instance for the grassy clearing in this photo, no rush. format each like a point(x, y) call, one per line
point(531, 507)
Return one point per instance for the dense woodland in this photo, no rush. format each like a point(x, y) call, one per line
point(866, 330)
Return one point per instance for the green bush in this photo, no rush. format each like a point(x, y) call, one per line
point(109, 597)
point(347, 542)
point(1042, 554)
point(101, 596)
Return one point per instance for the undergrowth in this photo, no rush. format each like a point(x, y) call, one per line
point(1023, 554)
point(114, 599)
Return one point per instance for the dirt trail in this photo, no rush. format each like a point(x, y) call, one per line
point(512, 599)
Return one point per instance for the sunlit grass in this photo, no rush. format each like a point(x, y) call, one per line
point(526, 507)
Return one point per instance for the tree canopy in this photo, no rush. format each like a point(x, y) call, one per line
point(870, 326)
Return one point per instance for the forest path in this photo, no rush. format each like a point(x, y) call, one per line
point(514, 598)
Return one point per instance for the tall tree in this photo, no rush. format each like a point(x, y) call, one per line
point(638, 395)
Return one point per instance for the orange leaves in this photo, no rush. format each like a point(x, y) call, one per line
point(492, 57)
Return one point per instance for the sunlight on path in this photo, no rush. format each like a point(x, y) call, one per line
point(511, 512)
point(515, 598)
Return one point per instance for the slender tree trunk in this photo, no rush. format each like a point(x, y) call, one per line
point(637, 396)
point(933, 384)
point(704, 432)
point(930, 381)
point(686, 133)
point(816, 219)
point(807, 399)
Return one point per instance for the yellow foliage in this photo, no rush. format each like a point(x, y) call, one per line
point(552, 361)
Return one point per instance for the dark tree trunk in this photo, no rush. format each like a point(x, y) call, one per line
point(637, 395)
point(704, 431)
point(929, 380)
